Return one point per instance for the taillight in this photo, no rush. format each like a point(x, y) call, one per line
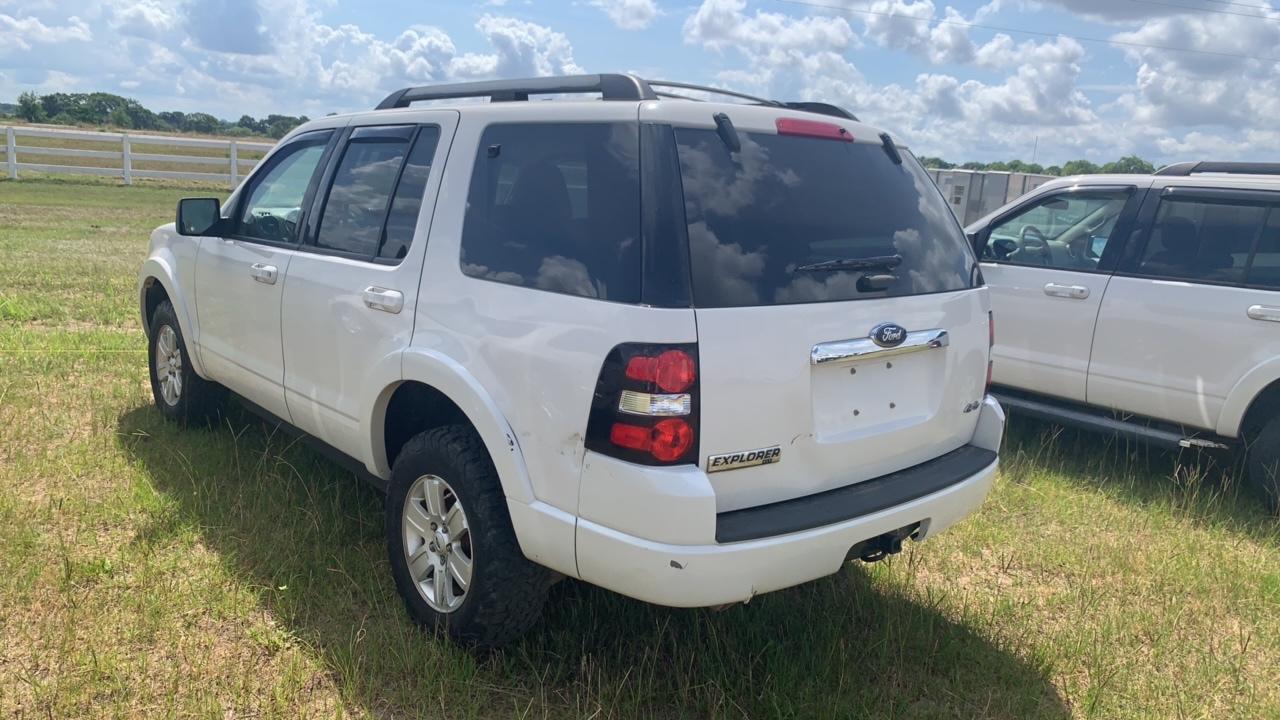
point(645, 407)
point(813, 129)
point(991, 342)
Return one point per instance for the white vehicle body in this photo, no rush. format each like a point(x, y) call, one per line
point(331, 344)
point(1112, 317)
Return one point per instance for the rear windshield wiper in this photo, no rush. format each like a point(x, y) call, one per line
point(887, 262)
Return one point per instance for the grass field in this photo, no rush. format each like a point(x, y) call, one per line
point(152, 572)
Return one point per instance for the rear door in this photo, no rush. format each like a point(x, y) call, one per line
point(1047, 264)
point(1192, 308)
point(800, 246)
point(351, 291)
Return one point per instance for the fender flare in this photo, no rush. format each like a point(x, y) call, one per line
point(1243, 394)
point(160, 269)
point(445, 374)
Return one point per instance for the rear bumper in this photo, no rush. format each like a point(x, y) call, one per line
point(699, 574)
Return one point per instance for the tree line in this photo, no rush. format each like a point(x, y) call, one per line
point(1128, 164)
point(106, 109)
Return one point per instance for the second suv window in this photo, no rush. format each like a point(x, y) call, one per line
point(361, 191)
point(274, 205)
point(1202, 240)
point(557, 207)
point(1068, 231)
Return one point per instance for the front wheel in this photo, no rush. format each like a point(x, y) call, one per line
point(1264, 463)
point(454, 555)
point(180, 394)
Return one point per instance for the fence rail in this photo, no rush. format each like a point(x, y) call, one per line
point(228, 168)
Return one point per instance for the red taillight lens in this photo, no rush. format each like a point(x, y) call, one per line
point(673, 371)
point(666, 441)
point(812, 128)
point(645, 408)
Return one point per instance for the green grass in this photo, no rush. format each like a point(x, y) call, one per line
point(150, 571)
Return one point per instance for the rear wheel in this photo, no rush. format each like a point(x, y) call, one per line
point(181, 394)
point(1264, 463)
point(453, 552)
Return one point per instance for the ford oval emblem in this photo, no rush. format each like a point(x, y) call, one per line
point(888, 334)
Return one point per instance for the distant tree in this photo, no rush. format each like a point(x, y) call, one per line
point(1079, 167)
point(200, 123)
point(29, 107)
point(120, 118)
point(1036, 168)
point(1129, 164)
point(1053, 170)
point(972, 165)
point(933, 162)
point(172, 119)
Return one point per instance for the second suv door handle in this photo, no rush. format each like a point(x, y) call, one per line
point(1264, 312)
point(1075, 292)
point(263, 273)
point(391, 301)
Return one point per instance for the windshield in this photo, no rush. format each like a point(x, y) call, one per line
point(793, 220)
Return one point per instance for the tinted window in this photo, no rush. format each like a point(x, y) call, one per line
point(557, 207)
point(403, 218)
point(1068, 231)
point(1202, 240)
point(361, 190)
point(1264, 269)
point(274, 203)
point(763, 221)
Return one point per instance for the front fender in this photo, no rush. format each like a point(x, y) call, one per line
point(449, 377)
point(162, 267)
point(1242, 395)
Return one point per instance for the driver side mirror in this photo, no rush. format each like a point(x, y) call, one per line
point(199, 216)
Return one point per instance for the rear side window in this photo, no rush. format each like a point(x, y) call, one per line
point(793, 220)
point(556, 207)
point(1202, 240)
point(1264, 268)
point(361, 192)
point(405, 206)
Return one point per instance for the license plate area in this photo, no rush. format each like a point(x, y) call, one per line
point(875, 395)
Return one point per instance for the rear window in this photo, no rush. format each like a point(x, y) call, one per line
point(1202, 240)
point(794, 220)
point(556, 207)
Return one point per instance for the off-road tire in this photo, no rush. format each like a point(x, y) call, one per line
point(200, 401)
point(507, 591)
point(1264, 463)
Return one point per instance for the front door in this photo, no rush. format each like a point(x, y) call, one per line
point(239, 277)
point(1047, 265)
point(352, 288)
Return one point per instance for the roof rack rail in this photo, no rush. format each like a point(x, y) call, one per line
point(1234, 168)
point(611, 86)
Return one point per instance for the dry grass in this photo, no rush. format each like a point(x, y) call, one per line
point(147, 571)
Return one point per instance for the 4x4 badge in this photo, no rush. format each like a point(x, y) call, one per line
point(745, 458)
point(888, 334)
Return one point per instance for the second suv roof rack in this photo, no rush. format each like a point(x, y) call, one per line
point(1234, 168)
point(611, 86)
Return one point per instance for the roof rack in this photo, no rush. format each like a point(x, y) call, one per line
point(1234, 168)
point(611, 86)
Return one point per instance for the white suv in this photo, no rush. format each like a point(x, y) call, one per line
point(1145, 305)
point(688, 351)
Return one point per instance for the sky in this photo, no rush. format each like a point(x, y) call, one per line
point(1042, 80)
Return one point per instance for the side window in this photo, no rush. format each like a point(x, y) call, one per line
point(1264, 268)
point(356, 207)
point(403, 218)
point(557, 207)
point(1202, 240)
point(273, 205)
point(1069, 231)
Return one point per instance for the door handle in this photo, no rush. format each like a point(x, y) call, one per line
point(391, 301)
point(264, 273)
point(1074, 292)
point(1264, 312)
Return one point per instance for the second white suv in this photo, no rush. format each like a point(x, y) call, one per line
point(688, 351)
point(1146, 305)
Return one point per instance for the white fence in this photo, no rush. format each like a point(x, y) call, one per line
point(228, 168)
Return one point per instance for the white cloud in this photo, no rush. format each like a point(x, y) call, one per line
point(22, 32)
point(629, 14)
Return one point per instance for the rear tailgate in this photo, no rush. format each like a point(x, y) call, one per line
point(804, 234)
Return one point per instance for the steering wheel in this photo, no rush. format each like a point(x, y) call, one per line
point(269, 225)
point(1034, 243)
